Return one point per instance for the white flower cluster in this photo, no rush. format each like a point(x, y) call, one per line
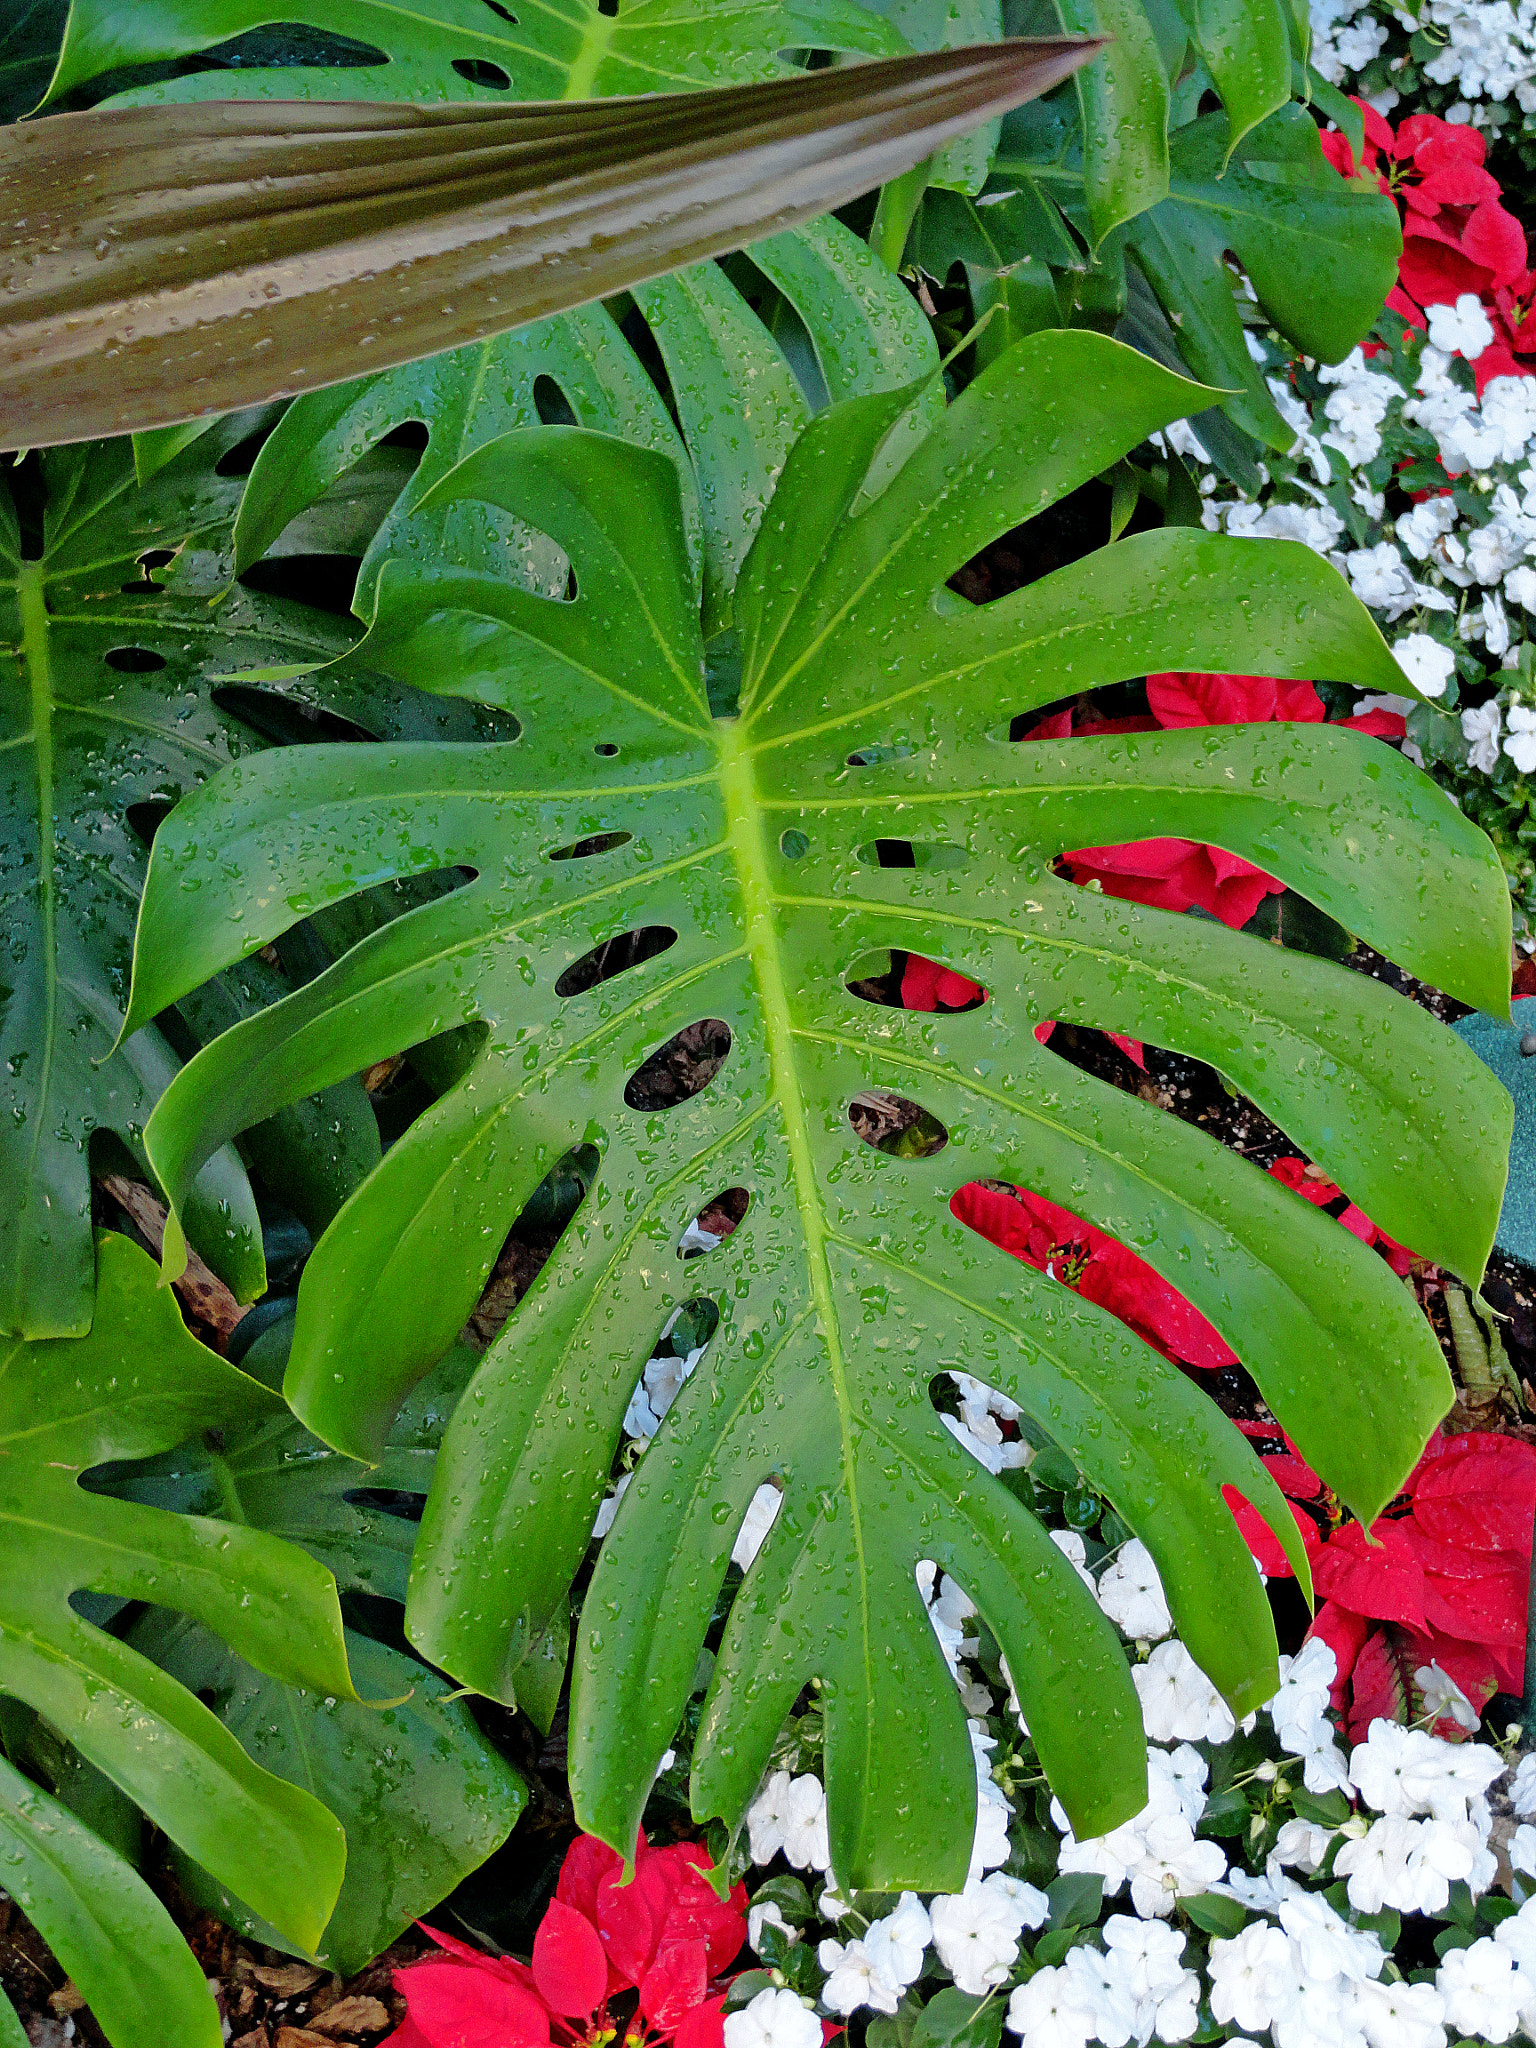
point(1487, 48)
point(1477, 574)
point(1297, 1969)
point(1136, 1989)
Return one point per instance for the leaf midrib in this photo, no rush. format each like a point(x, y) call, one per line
point(749, 851)
point(35, 654)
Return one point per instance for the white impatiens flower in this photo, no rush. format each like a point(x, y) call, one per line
point(1131, 1593)
point(1426, 524)
point(1049, 2013)
point(1302, 1844)
point(989, 1846)
point(1186, 1772)
point(1380, 578)
point(1521, 743)
point(1522, 1849)
point(1173, 1864)
point(1463, 329)
point(609, 1507)
point(1484, 1993)
point(1178, 1702)
point(896, 1944)
point(1252, 1978)
point(1520, 587)
point(1400, 2015)
point(1509, 415)
point(1324, 1945)
point(1480, 728)
point(1147, 1959)
point(1405, 1770)
point(1407, 1864)
point(1426, 664)
point(1442, 1696)
point(853, 1980)
point(1070, 1544)
point(790, 1814)
point(768, 1915)
point(1097, 1984)
point(1518, 1935)
point(976, 1932)
point(1522, 1787)
point(773, 2019)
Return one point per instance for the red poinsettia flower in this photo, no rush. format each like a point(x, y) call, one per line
point(1440, 1579)
point(665, 1936)
point(1100, 1268)
point(1457, 234)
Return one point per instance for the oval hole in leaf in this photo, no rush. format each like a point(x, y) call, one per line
point(893, 1124)
point(550, 402)
point(908, 981)
point(716, 1220)
point(240, 460)
point(871, 757)
point(606, 748)
point(537, 1229)
point(478, 71)
point(282, 719)
point(686, 1331)
point(793, 844)
point(149, 561)
point(615, 956)
point(680, 1069)
point(909, 853)
point(134, 661)
point(325, 582)
point(146, 818)
point(505, 12)
point(584, 849)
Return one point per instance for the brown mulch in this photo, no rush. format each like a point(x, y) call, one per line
point(268, 2000)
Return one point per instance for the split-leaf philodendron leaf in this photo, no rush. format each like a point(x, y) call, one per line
point(137, 1385)
point(423, 1796)
point(316, 238)
point(117, 623)
point(874, 706)
point(127, 1955)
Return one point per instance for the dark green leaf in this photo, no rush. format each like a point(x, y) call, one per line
point(958, 2019)
point(105, 1925)
point(422, 1795)
point(120, 630)
point(1213, 1914)
point(136, 1385)
point(1075, 1899)
point(1123, 95)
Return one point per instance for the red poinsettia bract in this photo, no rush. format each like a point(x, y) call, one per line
point(1457, 234)
point(665, 1936)
point(1440, 1579)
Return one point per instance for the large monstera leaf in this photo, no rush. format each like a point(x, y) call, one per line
point(138, 1384)
point(117, 623)
point(874, 706)
point(864, 333)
